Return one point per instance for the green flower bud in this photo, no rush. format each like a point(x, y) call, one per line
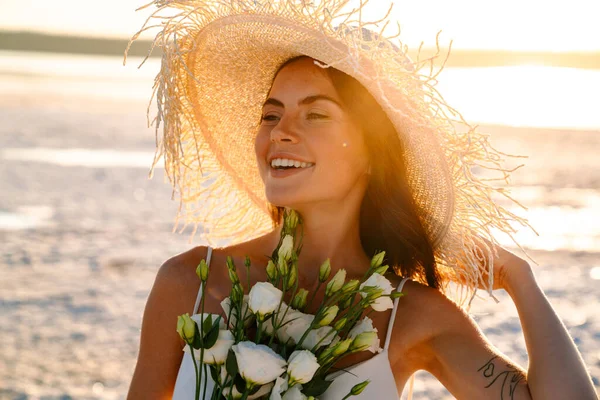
point(230, 263)
point(237, 293)
point(247, 262)
point(381, 270)
point(363, 341)
point(300, 299)
point(293, 277)
point(325, 356)
point(336, 282)
point(377, 259)
point(271, 270)
point(202, 271)
point(350, 286)
point(345, 303)
point(286, 248)
point(325, 271)
point(233, 276)
point(328, 315)
point(396, 295)
point(283, 267)
point(186, 327)
point(291, 220)
point(339, 325)
point(341, 347)
point(373, 294)
point(358, 388)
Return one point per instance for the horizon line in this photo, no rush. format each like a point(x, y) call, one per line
point(68, 44)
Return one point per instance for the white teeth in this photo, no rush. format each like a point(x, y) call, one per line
point(285, 162)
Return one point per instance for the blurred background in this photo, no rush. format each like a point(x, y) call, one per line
point(83, 230)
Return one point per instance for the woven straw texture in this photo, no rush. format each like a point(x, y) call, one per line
point(219, 59)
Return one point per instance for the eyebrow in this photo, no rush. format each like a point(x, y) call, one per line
point(305, 101)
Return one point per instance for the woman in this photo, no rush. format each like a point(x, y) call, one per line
point(358, 155)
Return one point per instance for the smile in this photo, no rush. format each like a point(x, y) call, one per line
point(286, 163)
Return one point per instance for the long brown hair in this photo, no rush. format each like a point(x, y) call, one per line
point(388, 215)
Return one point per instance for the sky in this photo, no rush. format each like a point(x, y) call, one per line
point(523, 25)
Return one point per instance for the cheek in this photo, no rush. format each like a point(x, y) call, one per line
point(344, 165)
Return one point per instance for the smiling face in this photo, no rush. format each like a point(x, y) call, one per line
point(309, 149)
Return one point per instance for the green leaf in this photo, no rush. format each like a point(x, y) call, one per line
point(231, 364)
point(316, 387)
point(240, 383)
point(211, 338)
point(214, 375)
point(196, 342)
point(254, 390)
point(207, 324)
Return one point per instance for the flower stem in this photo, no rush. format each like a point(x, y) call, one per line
point(196, 369)
point(259, 330)
point(312, 297)
point(205, 381)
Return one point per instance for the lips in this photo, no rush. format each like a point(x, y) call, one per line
point(285, 163)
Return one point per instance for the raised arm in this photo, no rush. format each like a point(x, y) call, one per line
point(556, 369)
point(472, 368)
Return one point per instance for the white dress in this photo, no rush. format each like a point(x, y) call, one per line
point(377, 369)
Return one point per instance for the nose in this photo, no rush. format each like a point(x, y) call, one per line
point(284, 131)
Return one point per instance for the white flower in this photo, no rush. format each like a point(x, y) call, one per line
point(295, 393)
point(384, 302)
point(318, 337)
point(226, 306)
point(293, 325)
point(237, 395)
point(366, 325)
point(264, 298)
point(283, 316)
point(281, 385)
point(257, 363)
point(217, 354)
point(298, 324)
point(199, 318)
point(287, 245)
point(302, 366)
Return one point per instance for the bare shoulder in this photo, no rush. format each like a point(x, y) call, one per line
point(159, 357)
point(424, 315)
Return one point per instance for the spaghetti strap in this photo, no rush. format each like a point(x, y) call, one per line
point(199, 296)
point(388, 335)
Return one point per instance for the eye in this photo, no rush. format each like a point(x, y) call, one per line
point(269, 118)
point(316, 116)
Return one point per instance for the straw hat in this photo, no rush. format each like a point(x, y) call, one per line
point(219, 59)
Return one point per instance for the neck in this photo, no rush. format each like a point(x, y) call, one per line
point(334, 233)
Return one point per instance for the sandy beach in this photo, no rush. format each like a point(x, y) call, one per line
point(83, 232)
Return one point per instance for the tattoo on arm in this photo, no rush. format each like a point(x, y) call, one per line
point(510, 377)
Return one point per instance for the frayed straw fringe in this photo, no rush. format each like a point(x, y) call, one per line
point(229, 208)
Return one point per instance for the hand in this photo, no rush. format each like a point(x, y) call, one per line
point(507, 267)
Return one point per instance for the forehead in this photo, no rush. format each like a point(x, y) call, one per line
point(302, 77)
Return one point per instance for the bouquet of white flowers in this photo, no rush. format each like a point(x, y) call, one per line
point(268, 349)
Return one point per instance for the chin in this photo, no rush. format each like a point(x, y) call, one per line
point(289, 197)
